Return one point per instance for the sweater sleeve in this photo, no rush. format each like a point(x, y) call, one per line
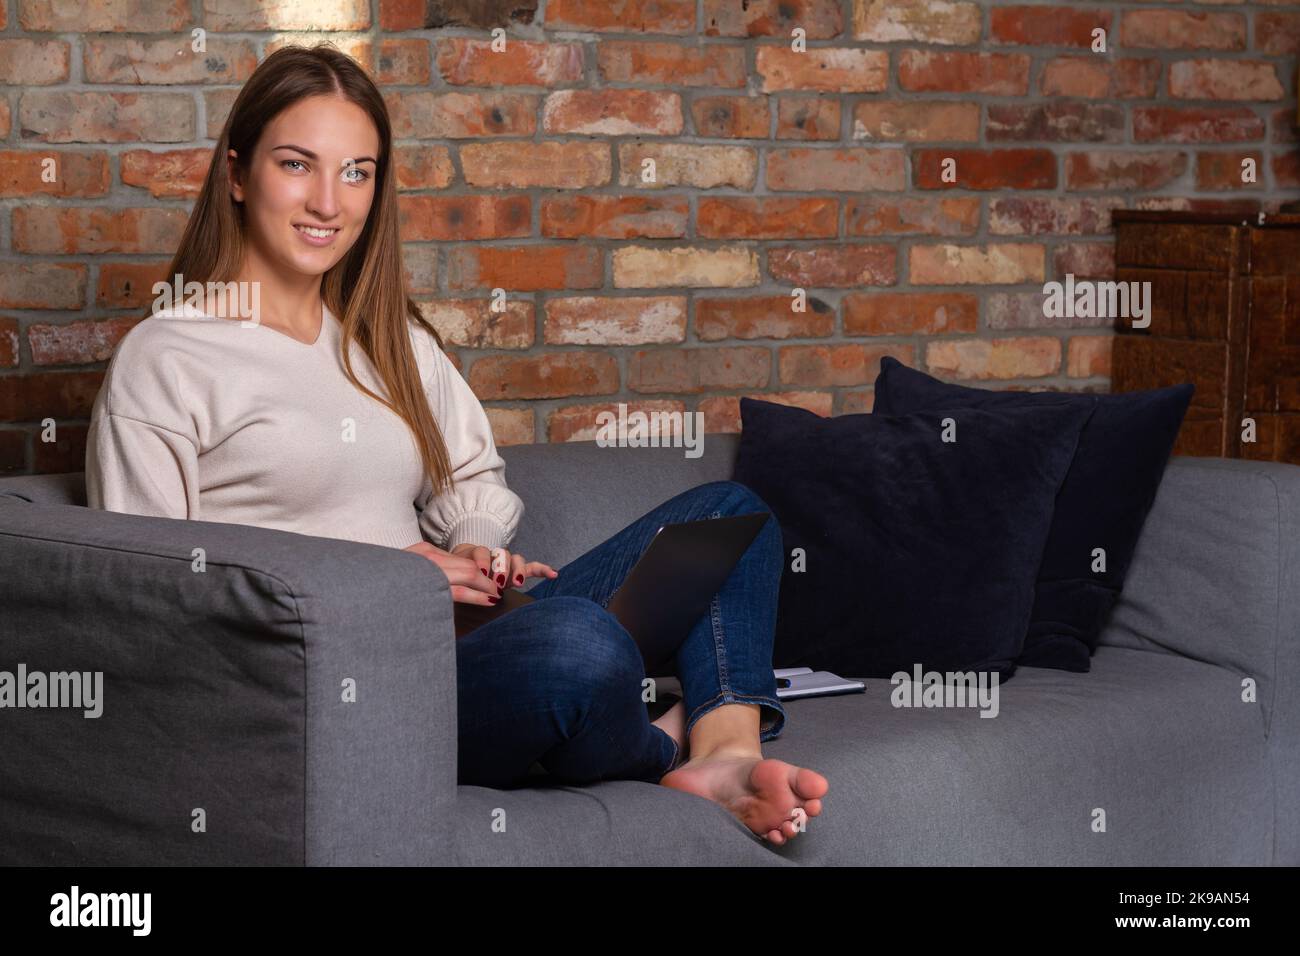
point(141, 468)
point(480, 508)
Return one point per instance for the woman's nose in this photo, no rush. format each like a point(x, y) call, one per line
point(323, 201)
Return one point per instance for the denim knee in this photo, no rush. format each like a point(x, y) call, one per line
point(735, 497)
point(585, 647)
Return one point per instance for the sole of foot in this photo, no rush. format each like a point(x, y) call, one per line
point(774, 799)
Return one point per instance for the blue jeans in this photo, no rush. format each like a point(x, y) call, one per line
point(559, 682)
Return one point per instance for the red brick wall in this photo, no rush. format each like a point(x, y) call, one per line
point(775, 169)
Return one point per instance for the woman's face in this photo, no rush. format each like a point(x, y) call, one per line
point(313, 168)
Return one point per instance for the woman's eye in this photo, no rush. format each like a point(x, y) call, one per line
point(288, 161)
point(361, 176)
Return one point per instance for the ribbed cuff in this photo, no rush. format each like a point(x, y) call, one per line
point(477, 527)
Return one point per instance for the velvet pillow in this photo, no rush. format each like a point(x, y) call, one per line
point(918, 550)
point(1103, 503)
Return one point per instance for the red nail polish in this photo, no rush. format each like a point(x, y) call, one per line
point(484, 570)
point(501, 579)
point(519, 578)
point(493, 600)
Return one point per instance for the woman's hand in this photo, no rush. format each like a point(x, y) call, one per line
point(469, 583)
point(510, 570)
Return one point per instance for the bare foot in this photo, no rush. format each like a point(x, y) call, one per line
point(768, 796)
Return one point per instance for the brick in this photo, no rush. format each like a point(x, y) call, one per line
point(9, 354)
point(82, 342)
point(35, 396)
point(427, 115)
point(1182, 30)
point(124, 16)
point(835, 365)
point(423, 167)
point(472, 323)
point(33, 62)
point(916, 121)
point(920, 21)
point(403, 62)
point(5, 118)
point(993, 264)
point(986, 168)
point(1224, 80)
point(553, 375)
point(45, 230)
point(433, 14)
point(684, 164)
point(646, 63)
point(1286, 171)
point(699, 370)
point(731, 117)
point(526, 165)
point(910, 313)
point(466, 62)
point(613, 112)
point(586, 422)
point(762, 317)
point(174, 174)
point(129, 285)
point(1094, 78)
point(216, 107)
point(925, 216)
point(76, 173)
point(852, 170)
point(767, 218)
point(807, 118)
point(42, 285)
point(1089, 356)
point(1040, 215)
point(722, 412)
point(819, 19)
point(857, 401)
point(629, 16)
point(511, 426)
point(524, 268)
point(53, 117)
point(258, 15)
point(615, 217)
point(828, 69)
point(1277, 34)
point(1001, 74)
point(1055, 121)
point(1024, 310)
point(1084, 260)
point(603, 320)
point(420, 269)
point(1017, 357)
point(1221, 171)
point(111, 59)
point(1196, 124)
point(641, 267)
point(832, 266)
point(1047, 26)
point(360, 48)
point(463, 218)
point(1127, 171)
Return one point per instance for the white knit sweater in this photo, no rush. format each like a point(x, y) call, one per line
point(208, 419)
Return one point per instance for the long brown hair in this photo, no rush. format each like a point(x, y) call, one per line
point(366, 289)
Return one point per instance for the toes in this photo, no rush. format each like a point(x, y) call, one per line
point(775, 837)
point(813, 807)
point(809, 784)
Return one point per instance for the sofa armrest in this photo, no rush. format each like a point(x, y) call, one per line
point(1216, 577)
point(289, 700)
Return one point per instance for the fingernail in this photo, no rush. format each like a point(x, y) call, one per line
point(493, 600)
point(501, 579)
point(519, 579)
point(485, 574)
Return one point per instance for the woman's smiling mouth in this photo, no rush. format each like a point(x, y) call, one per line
point(315, 235)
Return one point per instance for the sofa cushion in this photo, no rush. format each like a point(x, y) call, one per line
point(1105, 499)
point(922, 533)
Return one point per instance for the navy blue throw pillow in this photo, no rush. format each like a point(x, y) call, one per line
point(921, 534)
point(1102, 505)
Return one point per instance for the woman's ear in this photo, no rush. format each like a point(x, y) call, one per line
point(236, 188)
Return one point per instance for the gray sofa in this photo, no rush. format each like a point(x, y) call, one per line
point(223, 701)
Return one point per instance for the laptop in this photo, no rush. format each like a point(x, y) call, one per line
point(666, 592)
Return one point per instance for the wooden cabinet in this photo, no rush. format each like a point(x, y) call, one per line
point(1225, 315)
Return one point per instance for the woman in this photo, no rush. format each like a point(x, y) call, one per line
point(335, 410)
